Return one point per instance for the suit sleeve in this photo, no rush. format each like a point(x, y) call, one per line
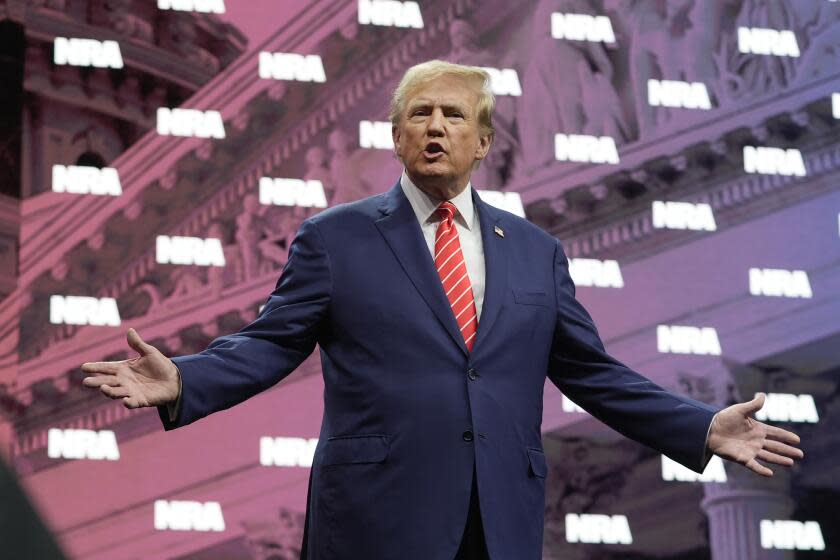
point(235, 367)
point(628, 402)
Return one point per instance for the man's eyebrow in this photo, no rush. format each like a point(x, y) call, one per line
point(445, 105)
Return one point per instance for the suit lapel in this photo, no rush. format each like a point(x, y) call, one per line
point(401, 231)
point(495, 267)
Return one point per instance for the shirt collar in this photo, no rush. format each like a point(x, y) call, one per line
point(424, 206)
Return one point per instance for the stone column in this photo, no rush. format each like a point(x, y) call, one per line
point(735, 509)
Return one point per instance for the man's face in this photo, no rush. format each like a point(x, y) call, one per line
point(437, 136)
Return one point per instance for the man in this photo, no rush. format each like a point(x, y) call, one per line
point(438, 318)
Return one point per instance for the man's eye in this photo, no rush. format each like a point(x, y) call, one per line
point(457, 115)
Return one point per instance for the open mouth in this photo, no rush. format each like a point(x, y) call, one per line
point(433, 150)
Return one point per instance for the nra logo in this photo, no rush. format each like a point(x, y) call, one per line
point(376, 134)
point(287, 451)
point(791, 535)
point(758, 40)
point(835, 105)
point(292, 192)
point(773, 161)
point(203, 6)
point(190, 122)
point(686, 95)
point(87, 52)
point(188, 516)
point(594, 528)
point(675, 339)
point(84, 310)
point(780, 283)
point(82, 179)
point(683, 215)
point(596, 273)
point(675, 472)
point(504, 81)
point(82, 444)
point(189, 250)
point(571, 406)
point(584, 148)
point(509, 201)
point(390, 13)
point(784, 407)
point(582, 27)
point(291, 66)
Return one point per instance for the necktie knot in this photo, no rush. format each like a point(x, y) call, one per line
point(447, 210)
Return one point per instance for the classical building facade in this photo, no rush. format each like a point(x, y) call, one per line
point(105, 247)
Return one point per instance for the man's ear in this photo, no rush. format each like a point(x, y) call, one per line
point(396, 136)
point(484, 143)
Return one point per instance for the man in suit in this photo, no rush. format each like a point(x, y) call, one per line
point(438, 319)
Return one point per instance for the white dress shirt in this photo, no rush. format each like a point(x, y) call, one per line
point(466, 222)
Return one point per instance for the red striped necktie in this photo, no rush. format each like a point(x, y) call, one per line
point(449, 261)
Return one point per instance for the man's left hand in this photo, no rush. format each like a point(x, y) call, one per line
point(737, 436)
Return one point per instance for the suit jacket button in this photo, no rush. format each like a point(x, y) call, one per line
point(472, 374)
point(467, 435)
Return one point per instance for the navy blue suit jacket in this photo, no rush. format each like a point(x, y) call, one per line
point(408, 411)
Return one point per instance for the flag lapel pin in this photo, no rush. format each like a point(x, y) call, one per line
point(499, 231)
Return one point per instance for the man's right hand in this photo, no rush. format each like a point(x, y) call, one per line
point(150, 379)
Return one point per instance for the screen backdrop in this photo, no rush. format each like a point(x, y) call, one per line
point(157, 157)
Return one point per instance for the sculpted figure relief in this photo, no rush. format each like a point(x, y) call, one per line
point(602, 108)
point(219, 276)
point(647, 33)
point(546, 84)
point(759, 74)
point(275, 539)
point(706, 21)
point(822, 30)
point(263, 235)
point(249, 233)
point(124, 22)
point(675, 40)
point(186, 281)
point(465, 49)
point(184, 38)
point(358, 172)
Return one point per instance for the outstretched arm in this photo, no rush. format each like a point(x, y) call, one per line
point(237, 366)
point(625, 400)
point(686, 430)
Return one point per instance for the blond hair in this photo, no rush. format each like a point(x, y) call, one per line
point(421, 73)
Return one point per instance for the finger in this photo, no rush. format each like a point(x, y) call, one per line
point(114, 392)
point(137, 343)
point(758, 468)
point(100, 367)
point(100, 380)
point(131, 402)
point(753, 406)
point(770, 457)
point(782, 435)
point(782, 449)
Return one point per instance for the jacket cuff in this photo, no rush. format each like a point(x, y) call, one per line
point(707, 453)
point(170, 412)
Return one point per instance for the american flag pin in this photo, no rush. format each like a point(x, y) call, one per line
point(499, 231)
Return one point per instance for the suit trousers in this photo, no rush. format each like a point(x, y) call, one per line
point(473, 546)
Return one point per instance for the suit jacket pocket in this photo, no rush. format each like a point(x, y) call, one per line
point(343, 450)
point(530, 297)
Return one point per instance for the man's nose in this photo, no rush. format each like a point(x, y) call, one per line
point(436, 123)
